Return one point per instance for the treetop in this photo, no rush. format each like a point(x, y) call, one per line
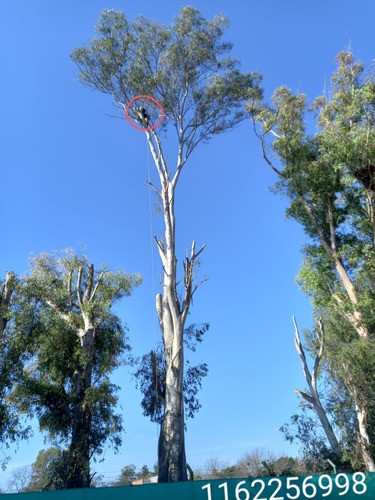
point(185, 66)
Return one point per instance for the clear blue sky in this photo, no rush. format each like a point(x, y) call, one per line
point(70, 175)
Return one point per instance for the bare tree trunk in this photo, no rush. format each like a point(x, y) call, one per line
point(313, 398)
point(364, 438)
point(172, 316)
point(79, 470)
point(79, 449)
point(171, 449)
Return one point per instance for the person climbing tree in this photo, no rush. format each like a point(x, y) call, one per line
point(143, 115)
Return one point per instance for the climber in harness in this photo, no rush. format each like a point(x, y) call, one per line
point(143, 116)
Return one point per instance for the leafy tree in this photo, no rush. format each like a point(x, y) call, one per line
point(46, 471)
point(283, 466)
point(16, 326)
point(78, 344)
point(328, 180)
point(315, 451)
point(188, 69)
point(144, 473)
point(127, 476)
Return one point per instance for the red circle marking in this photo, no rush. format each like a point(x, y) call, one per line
point(148, 97)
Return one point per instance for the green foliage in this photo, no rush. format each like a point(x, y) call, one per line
point(18, 328)
point(328, 179)
point(257, 463)
point(151, 371)
point(127, 476)
point(305, 429)
point(186, 67)
point(47, 389)
point(48, 470)
point(144, 473)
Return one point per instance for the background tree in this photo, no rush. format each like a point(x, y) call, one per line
point(256, 463)
point(318, 453)
point(188, 69)
point(328, 180)
point(16, 327)
point(19, 479)
point(78, 344)
point(46, 471)
point(214, 468)
point(127, 476)
point(144, 473)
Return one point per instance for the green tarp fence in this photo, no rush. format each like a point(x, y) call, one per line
point(358, 486)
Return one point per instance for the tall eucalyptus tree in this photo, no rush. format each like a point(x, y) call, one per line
point(78, 342)
point(328, 178)
point(187, 68)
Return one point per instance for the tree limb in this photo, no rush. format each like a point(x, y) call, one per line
point(89, 284)
point(61, 314)
point(79, 284)
point(96, 287)
point(5, 296)
point(313, 398)
point(154, 188)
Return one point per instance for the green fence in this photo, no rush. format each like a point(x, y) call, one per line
point(330, 487)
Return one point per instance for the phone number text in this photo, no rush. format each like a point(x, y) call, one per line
point(293, 488)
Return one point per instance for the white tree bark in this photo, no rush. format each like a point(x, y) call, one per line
point(364, 438)
point(313, 396)
point(172, 315)
point(5, 296)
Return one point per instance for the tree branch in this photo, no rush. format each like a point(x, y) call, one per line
point(96, 287)
point(79, 284)
point(61, 314)
point(262, 142)
point(313, 397)
point(305, 396)
point(301, 353)
point(189, 267)
point(89, 284)
point(70, 289)
point(5, 296)
point(319, 356)
point(153, 187)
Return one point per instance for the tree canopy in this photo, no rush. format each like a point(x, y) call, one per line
point(328, 179)
point(185, 66)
